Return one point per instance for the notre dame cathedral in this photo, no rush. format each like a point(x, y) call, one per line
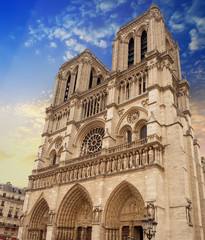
point(118, 146)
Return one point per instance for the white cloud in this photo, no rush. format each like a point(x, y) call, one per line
point(176, 23)
point(28, 43)
point(95, 36)
point(68, 55)
point(200, 23)
point(51, 59)
point(70, 42)
point(79, 47)
point(37, 52)
point(107, 6)
point(60, 33)
point(53, 45)
point(102, 44)
point(197, 40)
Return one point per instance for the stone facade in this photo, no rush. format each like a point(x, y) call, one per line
point(11, 205)
point(117, 146)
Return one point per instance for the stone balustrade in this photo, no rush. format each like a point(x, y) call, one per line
point(127, 157)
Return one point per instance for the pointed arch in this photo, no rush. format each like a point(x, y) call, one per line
point(38, 220)
point(75, 211)
point(86, 128)
point(125, 195)
point(132, 109)
point(52, 144)
point(38, 212)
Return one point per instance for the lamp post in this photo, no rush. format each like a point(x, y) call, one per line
point(149, 226)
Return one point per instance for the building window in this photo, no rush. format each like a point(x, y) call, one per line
point(91, 79)
point(131, 52)
point(143, 44)
point(129, 136)
point(4, 194)
point(76, 76)
point(67, 88)
point(1, 212)
point(127, 91)
point(143, 132)
point(12, 197)
point(16, 215)
point(54, 159)
point(93, 141)
point(98, 81)
point(9, 214)
point(2, 203)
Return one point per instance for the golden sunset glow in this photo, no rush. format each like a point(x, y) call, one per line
point(21, 139)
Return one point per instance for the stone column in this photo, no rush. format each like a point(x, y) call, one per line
point(50, 235)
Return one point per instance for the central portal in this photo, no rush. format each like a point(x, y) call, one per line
point(124, 213)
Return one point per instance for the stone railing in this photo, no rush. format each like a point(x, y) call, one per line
point(126, 157)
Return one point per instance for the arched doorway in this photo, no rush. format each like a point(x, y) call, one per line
point(123, 213)
point(75, 215)
point(37, 228)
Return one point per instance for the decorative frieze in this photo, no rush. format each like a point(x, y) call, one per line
point(130, 156)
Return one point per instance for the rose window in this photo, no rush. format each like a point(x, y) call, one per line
point(93, 141)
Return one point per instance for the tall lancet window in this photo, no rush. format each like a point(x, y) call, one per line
point(131, 52)
point(91, 79)
point(143, 132)
point(67, 88)
point(143, 44)
point(76, 76)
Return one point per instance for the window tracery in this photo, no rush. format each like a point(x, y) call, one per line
point(92, 142)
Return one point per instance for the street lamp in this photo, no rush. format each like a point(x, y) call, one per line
point(149, 226)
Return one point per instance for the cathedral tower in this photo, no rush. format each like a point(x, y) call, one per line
point(117, 146)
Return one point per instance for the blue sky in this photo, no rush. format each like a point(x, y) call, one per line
point(38, 36)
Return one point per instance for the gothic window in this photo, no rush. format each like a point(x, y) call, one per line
point(67, 88)
point(131, 52)
point(127, 91)
point(129, 136)
point(140, 86)
point(76, 76)
point(98, 81)
point(91, 79)
point(143, 132)
point(54, 159)
point(144, 86)
point(143, 44)
point(93, 141)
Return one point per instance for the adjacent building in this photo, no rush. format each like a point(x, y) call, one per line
point(119, 145)
point(11, 204)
